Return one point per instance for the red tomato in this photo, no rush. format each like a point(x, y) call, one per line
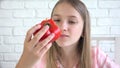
point(53, 28)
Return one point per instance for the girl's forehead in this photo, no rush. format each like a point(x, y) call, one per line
point(65, 9)
point(64, 6)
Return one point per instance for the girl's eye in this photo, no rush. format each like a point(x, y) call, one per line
point(57, 20)
point(72, 22)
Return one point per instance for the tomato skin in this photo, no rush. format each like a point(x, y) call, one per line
point(53, 28)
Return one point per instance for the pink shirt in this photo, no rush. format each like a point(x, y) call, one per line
point(100, 60)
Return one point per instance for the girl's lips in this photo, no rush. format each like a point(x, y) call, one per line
point(63, 35)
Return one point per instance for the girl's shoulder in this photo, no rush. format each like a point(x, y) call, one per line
point(101, 60)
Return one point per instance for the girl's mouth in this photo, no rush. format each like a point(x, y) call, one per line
point(64, 35)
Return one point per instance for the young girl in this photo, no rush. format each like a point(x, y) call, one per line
point(72, 49)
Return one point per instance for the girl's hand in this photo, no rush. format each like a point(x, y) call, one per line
point(34, 50)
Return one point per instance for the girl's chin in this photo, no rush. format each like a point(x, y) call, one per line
point(62, 44)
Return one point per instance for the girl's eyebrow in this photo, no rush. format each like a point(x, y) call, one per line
point(71, 16)
point(56, 15)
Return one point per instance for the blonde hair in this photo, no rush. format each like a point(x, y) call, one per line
point(84, 49)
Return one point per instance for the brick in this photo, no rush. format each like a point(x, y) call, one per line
point(10, 22)
point(107, 47)
point(52, 4)
point(5, 64)
point(6, 48)
point(108, 22)
point(93, 22)
point(5, 13)
point(19, 48)
point(117, 50)
point(32, 21)
point(5, 31)
point(13, 40)
point(90, 4)
point(11, 57)
point(24, 13)
point(109, 4)
point(112, 49)
point(12, 4)
point(104, 35)
point(107, 42)
point(0, 40)
point(115, 13)
point(98, 13)
point(94, 43)
point(115, 30)
point(45, 13)
point(1, 56)
point(100, 30)
point(36, 4)
point(20, 31)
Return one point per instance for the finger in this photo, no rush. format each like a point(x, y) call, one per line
point(45, 42)
point(45, 49)
point(42, 31)
point(31, 31)
point(37, 37)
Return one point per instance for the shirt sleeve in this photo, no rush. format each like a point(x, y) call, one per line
point(103, 61)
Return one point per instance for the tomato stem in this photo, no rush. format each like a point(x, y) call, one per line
point(47, 24)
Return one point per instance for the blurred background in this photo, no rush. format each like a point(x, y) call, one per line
point(17, 16)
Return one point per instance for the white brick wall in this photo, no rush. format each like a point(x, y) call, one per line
point(17, 16)
point(24, 13)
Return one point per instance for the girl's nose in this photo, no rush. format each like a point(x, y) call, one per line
point(63, 26)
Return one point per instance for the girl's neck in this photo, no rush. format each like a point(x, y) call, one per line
point(69, 57)
point(69, 53)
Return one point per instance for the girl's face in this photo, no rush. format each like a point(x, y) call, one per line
point(70, 22)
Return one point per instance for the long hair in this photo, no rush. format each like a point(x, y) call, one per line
point(84, 49)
